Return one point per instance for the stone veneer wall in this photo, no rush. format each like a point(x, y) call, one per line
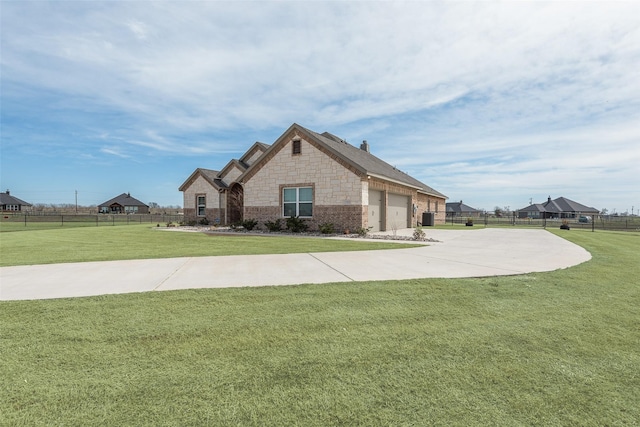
point(201, 186)
point(253, 157)
point(231, 175)
point(337, 189)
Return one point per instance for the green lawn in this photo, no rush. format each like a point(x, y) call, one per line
point(559, 348)
point(81, 244)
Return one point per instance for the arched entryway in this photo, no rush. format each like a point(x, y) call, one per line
point(235, 203)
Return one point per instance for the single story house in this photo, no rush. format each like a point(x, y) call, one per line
point(459, 209)
point(123, 203)
point(558, 208)
point(317, 177)
point(10, 203)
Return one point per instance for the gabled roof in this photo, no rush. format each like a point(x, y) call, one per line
point(233, 162)
point(459, 207)
point(562, 204)
point(257, 146)
point(7, 199)
point(536, 207)
point(559, 205)
point(124, 199)
point(209, 175)
point(215, 177)
point(360, 160)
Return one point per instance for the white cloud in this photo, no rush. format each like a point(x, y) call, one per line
point(537, 89)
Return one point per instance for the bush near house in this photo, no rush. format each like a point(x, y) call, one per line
point(296, 225)
point(274, 226)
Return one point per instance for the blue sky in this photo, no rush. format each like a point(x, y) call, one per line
point(492, 103)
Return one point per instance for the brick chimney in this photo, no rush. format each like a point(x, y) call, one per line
point(364, 146)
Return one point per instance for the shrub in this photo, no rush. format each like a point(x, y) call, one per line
point(327, 228)
point(296, 225)
point(362, 232)
point(203, 221)
point(418, 234)
point(249, 224)
point(274, 226)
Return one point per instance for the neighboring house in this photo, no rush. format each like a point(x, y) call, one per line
point(459, 209)
point(10, 203)
point(317, 177)
point(558, 208)
point(123, 203)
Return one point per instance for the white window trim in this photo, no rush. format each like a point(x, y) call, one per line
point(297, 202)
point(198, 205)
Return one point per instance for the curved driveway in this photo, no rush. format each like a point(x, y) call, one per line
point(458, 253)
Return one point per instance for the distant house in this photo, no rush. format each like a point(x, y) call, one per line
point(123, 203)
point(557, 208)
point(459, 209)
point(317, 177)
point(10, 203)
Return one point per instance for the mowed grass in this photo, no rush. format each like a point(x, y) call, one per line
point(559, 348)
point(82, 244)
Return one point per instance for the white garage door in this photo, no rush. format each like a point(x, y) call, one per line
point(397, 212)
point(375, 210)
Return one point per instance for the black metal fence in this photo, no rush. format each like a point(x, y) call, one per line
point(28, 221)
point(603, 222)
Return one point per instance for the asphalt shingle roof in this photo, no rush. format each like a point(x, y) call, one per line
point(559, 205)
point(459, 207)
point(368, 163)
point(123, 199)
point(8, 199)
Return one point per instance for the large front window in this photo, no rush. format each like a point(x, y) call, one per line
point(298, 202)
point(201, 205)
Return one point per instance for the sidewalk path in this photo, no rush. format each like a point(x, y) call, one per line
point(458, 253)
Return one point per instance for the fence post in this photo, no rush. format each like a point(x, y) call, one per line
point(62, 220)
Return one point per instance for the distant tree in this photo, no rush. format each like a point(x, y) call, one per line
point(498, 211)
point(604, 211)
point(153, 205)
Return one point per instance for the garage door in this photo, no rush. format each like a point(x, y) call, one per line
point(375, 210)
point(397, 212)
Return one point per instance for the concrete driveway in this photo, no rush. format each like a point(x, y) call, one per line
point(458, 253)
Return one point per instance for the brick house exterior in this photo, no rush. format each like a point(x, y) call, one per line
point(317, 177)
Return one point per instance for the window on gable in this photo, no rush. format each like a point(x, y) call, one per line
point(296, 147)
point(201, 205)
point(297, 202)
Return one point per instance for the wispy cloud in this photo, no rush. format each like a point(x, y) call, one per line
point(457, 93)
point(113, 152)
